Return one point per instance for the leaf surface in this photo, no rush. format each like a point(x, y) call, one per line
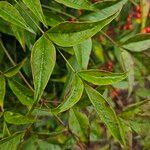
point(104, 10)
point(79, 124)
point(69, 34)
point(17, 119)
point(73, 97)
point(101, 77)
point(35, 7)
point(14, 70)
point(137, 43)
point(43, 59)
point(82, 52)
point(105, 112)
point(6, 11)
point(77, 4)
point(24, 95)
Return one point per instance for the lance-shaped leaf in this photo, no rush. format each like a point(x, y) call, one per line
point(6, 132)
point(79, 124)
point(105, 112)
point(128, 65)
point(13, 140)
point(19, 34)
point(77, 4)
point(73, 97)
point(35, 7)
point(104, 10)
point(11, 14)
point(14, 70)
point(2, 91)
point(69, 34)
point(24, 95)
point(17, 119)
point(101, 77)
point(82, 52)
point(43, 58)
point(133, 109)
point(137, 43)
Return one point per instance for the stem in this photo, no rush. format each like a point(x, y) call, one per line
point(66, 61)
point(110, 39)
point(14, 64)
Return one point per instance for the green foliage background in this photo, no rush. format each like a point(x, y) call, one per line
point(74, 74)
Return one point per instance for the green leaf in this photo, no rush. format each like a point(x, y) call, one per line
point(140, 125)
point(6, 132)
point(137, 43)
point(43, 59)
point(79, 124)
point(5, 27)
point(73, 96)
point(133, 109)
point(19, 34)
point(69, 34)
point(28, 16)
point(82, 52)
point(2, 91)
point(24, 95)
point(12, 142)
point(98, 77)
point(35, 7)
point(128, 65)
point(77, 4)
point(52, 18)
point(17, 119)
point(105, 112)
point(10, 14)
point(104, 10)
point(145, 12)
point(14, 70)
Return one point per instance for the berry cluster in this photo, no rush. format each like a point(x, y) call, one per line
point(136, 15)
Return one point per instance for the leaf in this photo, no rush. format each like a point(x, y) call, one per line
point(145, 4)
point(104, 10)
point(82, 52)
point(98, 77)
point(79, 124)
point(19, 34)
point(2, 92)
point(73, 97)
point(105, 112)
point(24, 95)
point(133, 109)
point(14, 70)
point(10, 14)
point(43, 59)
point(77, 4)
point(28, 16)
point(69, 34)
point(140, 125)
point(128, 65)
point(33, 143)
point(17, 119)
point(12, 142)
point(6, 132)
point(5, 27)
point(52, 18)
point(35, 7)
point(137, 43)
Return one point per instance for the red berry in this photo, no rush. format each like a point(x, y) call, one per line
point(72, 20)
point(146, 30)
